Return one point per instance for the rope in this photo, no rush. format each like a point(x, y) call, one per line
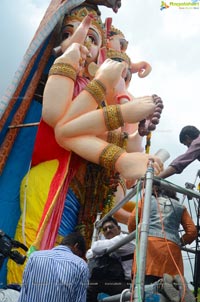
point(148, 143)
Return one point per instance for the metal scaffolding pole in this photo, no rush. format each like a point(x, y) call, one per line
point(157, 181)
point(170, 186)
point(119, 205)
point(120, 297)
point(150, 180)
point(196, 279)
point(144, 230)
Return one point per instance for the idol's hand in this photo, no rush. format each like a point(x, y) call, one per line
point(157, 164)
point(110, 73)
point(114, 95)
point(74, 55)
point(79, 35)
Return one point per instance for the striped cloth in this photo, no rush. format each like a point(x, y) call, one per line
point(54, 275)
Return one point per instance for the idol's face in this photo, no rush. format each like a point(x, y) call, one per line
point(118, 42)
point(93, 39)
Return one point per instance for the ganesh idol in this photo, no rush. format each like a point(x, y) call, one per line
point(79, 111)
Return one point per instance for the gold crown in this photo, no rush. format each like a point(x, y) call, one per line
point(118, 56)
point(80, 13)
point(115, 31)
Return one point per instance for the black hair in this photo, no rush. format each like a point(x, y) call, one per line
point(190, 131)
point(110, 219)
point(75, 238)
point(158, 191)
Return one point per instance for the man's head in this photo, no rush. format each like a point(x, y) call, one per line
point(76, 242)
point(188, 134)
point(110, 227)
point(160, 192)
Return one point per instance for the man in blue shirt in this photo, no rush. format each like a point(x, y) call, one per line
point(58, 274)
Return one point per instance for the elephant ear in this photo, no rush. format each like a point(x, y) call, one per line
point(142, 68)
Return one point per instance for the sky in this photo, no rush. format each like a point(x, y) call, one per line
point(168, 39)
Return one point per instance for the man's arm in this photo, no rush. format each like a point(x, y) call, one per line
point(182, 161)
point(99, 247)
point(167, 172)
point(189, 228)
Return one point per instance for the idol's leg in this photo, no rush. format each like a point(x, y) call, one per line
point(109, 118)
point(129, 165)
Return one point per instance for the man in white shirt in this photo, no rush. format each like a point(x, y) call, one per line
point(113, 284)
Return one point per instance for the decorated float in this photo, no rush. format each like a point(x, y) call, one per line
point(50, 188)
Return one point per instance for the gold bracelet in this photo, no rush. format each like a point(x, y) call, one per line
point(97, 90)
point(117, 138)
point(109, 156)
point(63, 69)
point(113, 117)
point(125, 140)
point(122, 182)
point(114, 138)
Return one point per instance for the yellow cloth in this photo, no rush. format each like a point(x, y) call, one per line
point(33, 193)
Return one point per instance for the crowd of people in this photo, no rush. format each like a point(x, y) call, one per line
point(88, 111)
point(61, 275)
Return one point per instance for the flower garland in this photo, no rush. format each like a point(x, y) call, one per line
point(148, 143)
point(97, 197)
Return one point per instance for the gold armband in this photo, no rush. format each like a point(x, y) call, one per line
point(63, 69)
point(97, 90)
point(113, 117)
point(118, 138)
point(109, 156)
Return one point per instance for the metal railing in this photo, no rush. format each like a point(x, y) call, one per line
point(149, 180)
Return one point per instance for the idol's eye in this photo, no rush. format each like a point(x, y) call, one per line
point(118, 59)
point(65, 36)
point(128, 76)
point(123, 44)
point(93, 37)
point(67, 32)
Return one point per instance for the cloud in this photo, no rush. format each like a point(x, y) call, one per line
point(19, 21)
point(181, 24)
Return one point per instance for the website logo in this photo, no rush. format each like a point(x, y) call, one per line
point(163, 5)
point(193, 4)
